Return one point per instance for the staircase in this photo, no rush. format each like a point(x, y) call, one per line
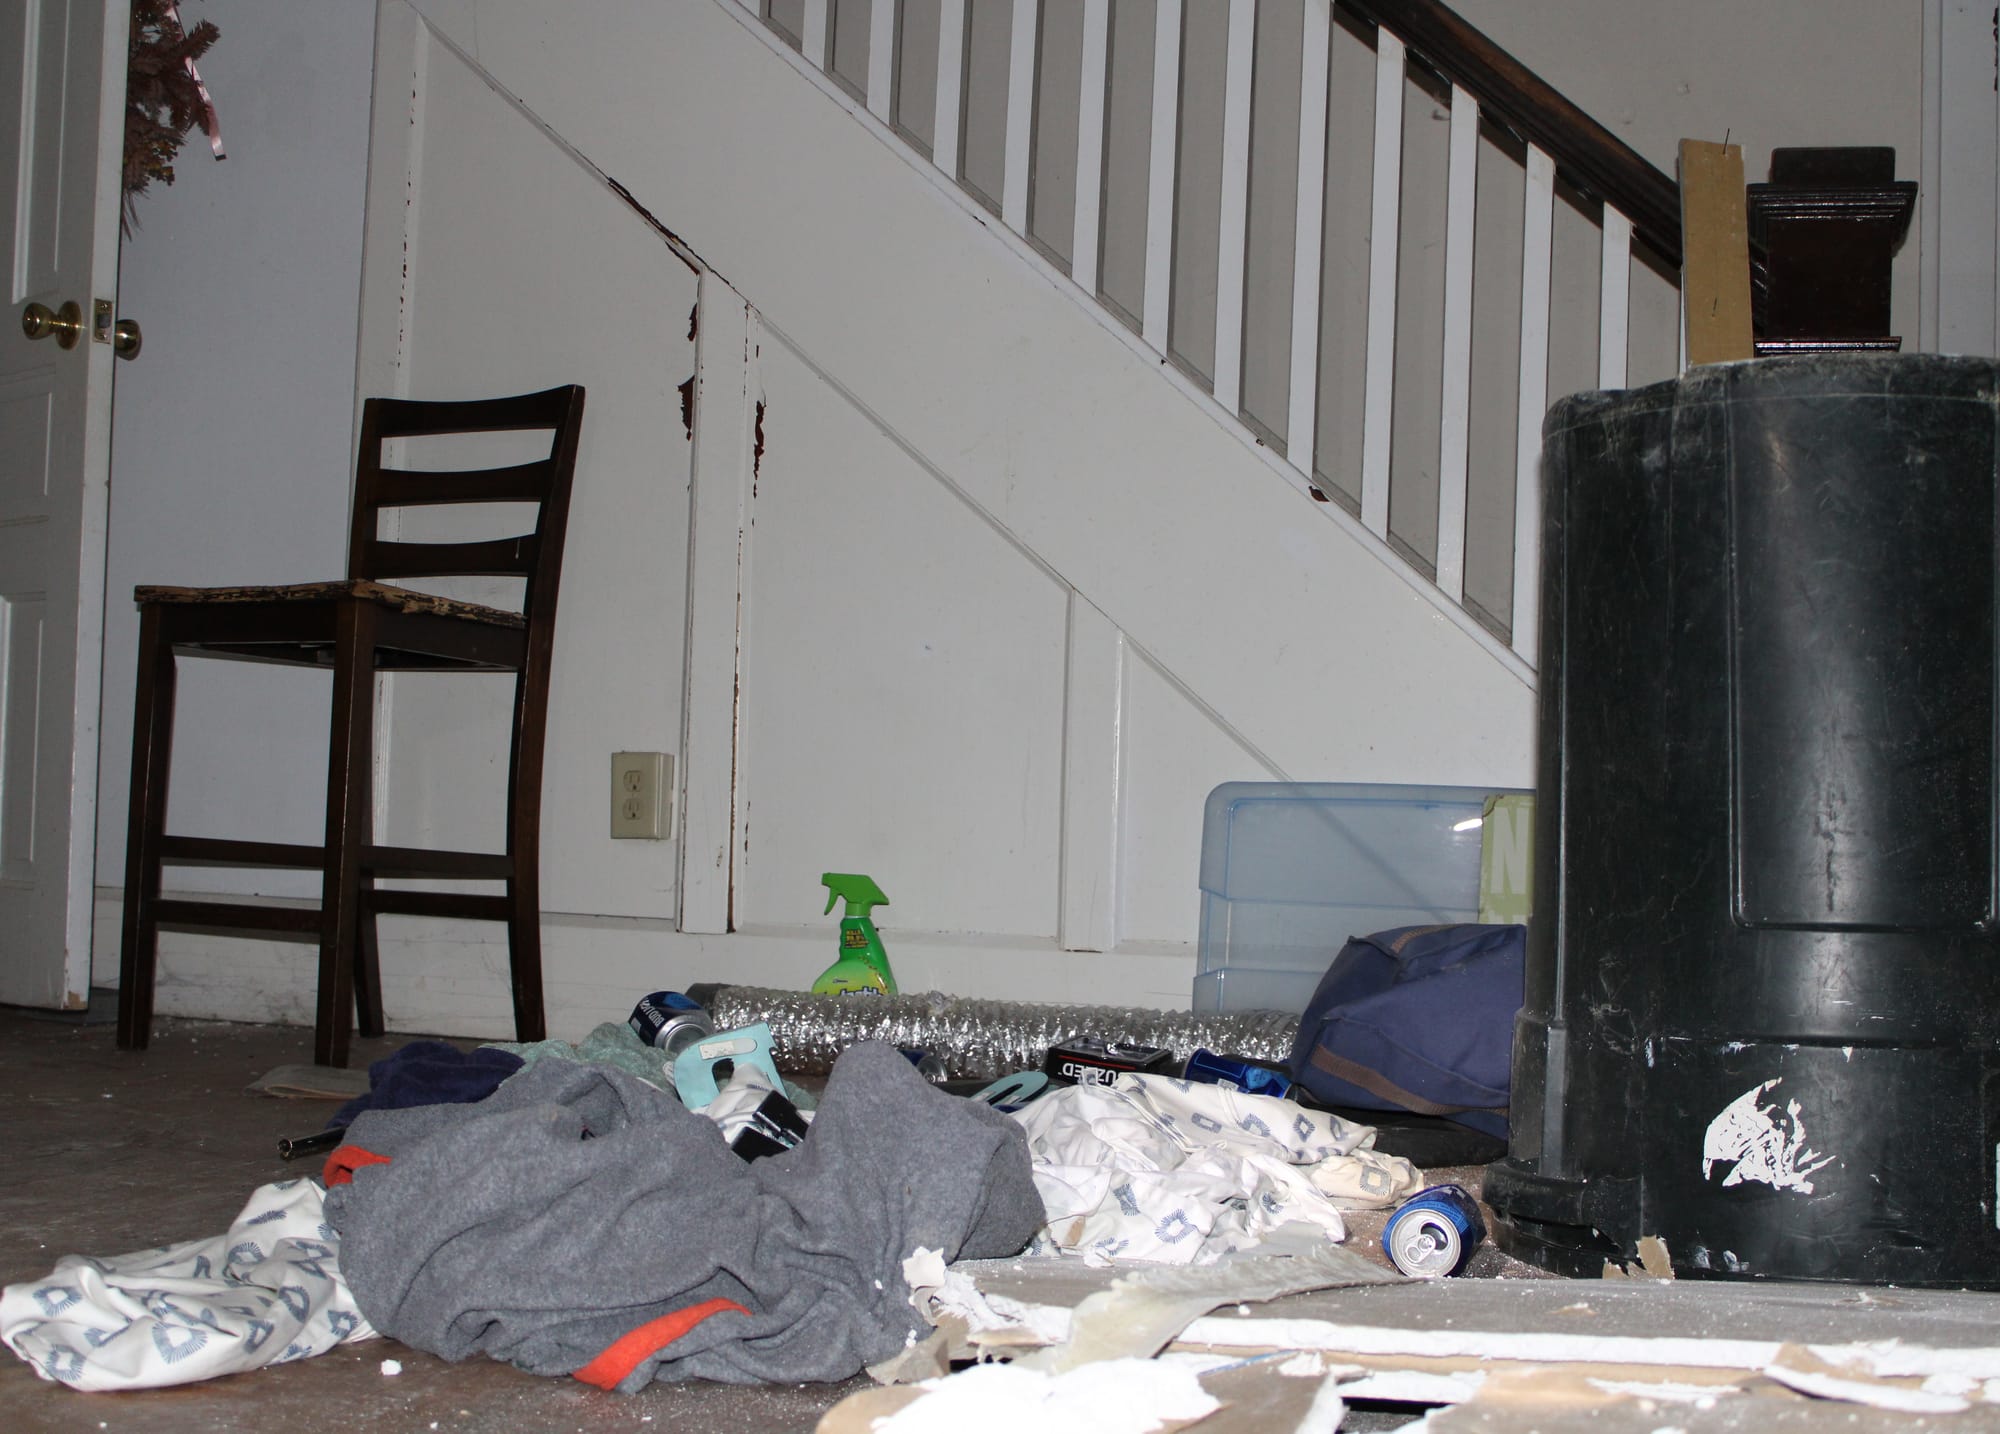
point(1050, 486)
point(1132, 164)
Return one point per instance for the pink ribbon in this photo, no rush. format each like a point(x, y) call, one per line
point(212, 125)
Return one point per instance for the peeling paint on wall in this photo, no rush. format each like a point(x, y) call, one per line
point(674, 241)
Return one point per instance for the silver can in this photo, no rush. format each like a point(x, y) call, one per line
point(669, 1022)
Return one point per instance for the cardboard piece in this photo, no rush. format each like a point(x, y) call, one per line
point(1715, 253)
point(299, 1082)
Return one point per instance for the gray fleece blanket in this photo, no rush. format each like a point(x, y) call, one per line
point(577, 1205)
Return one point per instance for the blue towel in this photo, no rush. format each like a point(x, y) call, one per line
point(430, 1073)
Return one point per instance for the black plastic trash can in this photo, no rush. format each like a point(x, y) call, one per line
point(1762, 1018)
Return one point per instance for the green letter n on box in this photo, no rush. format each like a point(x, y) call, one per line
point(1507, 859)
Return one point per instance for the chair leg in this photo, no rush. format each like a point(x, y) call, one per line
point(145, 828)
point(524, 949)
point(524, 846)
point(349, 827)
point(367, 965)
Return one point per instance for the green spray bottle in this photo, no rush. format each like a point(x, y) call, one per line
point(863, 965)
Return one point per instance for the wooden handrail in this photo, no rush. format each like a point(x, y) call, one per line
point(1587, 155)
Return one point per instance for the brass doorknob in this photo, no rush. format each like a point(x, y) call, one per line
point(38, 321)
point(126, 339)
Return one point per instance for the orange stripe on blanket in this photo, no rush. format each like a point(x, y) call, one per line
point(623, 1354)
point(341, 1165)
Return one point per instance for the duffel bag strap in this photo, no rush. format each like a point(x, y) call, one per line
point(1380, 1086)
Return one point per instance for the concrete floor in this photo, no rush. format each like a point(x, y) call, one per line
point(105, 1151)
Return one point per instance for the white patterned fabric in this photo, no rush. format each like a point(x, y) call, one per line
point(1182, 1172)
point(267, 1292)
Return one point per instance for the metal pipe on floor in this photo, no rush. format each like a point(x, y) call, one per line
point(977, 1039)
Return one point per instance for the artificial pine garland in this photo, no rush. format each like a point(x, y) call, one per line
point(163, 96)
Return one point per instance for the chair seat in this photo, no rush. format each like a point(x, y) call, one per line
point(398, 599)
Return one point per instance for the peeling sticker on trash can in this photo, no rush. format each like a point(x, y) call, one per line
point(1764, 1142)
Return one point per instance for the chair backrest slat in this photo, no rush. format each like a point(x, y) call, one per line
point(496, 557)
point(535, 555)
point(412, 417)
point(410, 487)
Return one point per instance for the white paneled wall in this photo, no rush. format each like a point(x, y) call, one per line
point(231, 436)
point(903, 683)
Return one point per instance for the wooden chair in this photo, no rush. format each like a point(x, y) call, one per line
point(356, 628)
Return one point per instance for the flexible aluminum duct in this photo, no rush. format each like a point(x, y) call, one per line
point(981, 1040)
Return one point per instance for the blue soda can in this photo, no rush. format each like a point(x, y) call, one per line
point(1435, 1234)
point(1244, 1076)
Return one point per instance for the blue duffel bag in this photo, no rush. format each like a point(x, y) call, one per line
point(1419, 1019)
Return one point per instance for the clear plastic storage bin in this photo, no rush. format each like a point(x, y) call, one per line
point(1290, 870)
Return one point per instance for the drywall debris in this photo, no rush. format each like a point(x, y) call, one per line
point(1653, 1263)
point(1798, 1369)
point(1119, 1396)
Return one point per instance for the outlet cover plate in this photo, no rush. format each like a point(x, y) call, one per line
point(642, 786)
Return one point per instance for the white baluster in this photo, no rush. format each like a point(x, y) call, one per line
point(1681, 300)
point(881, 56)
point(1303, 409)
point(1235, 204)
point(1156, 307)
point(1020, 115)
point(1537, 225)
point(1614, 300)
point(812, 43)
point(950, 86)
point(1385, 224)
point(1090, 143)
point(1455, 421)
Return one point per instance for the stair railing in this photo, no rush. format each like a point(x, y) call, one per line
point(952, 68)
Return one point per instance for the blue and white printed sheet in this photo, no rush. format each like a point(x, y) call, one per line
point(267, 1292)
point(1181, 1172)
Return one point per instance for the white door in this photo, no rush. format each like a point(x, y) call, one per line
point(59, 160)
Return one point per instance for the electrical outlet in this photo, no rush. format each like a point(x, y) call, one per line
point(642, 795)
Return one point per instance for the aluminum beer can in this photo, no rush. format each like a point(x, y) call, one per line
point(669, 1021)
point(1436, 1233)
